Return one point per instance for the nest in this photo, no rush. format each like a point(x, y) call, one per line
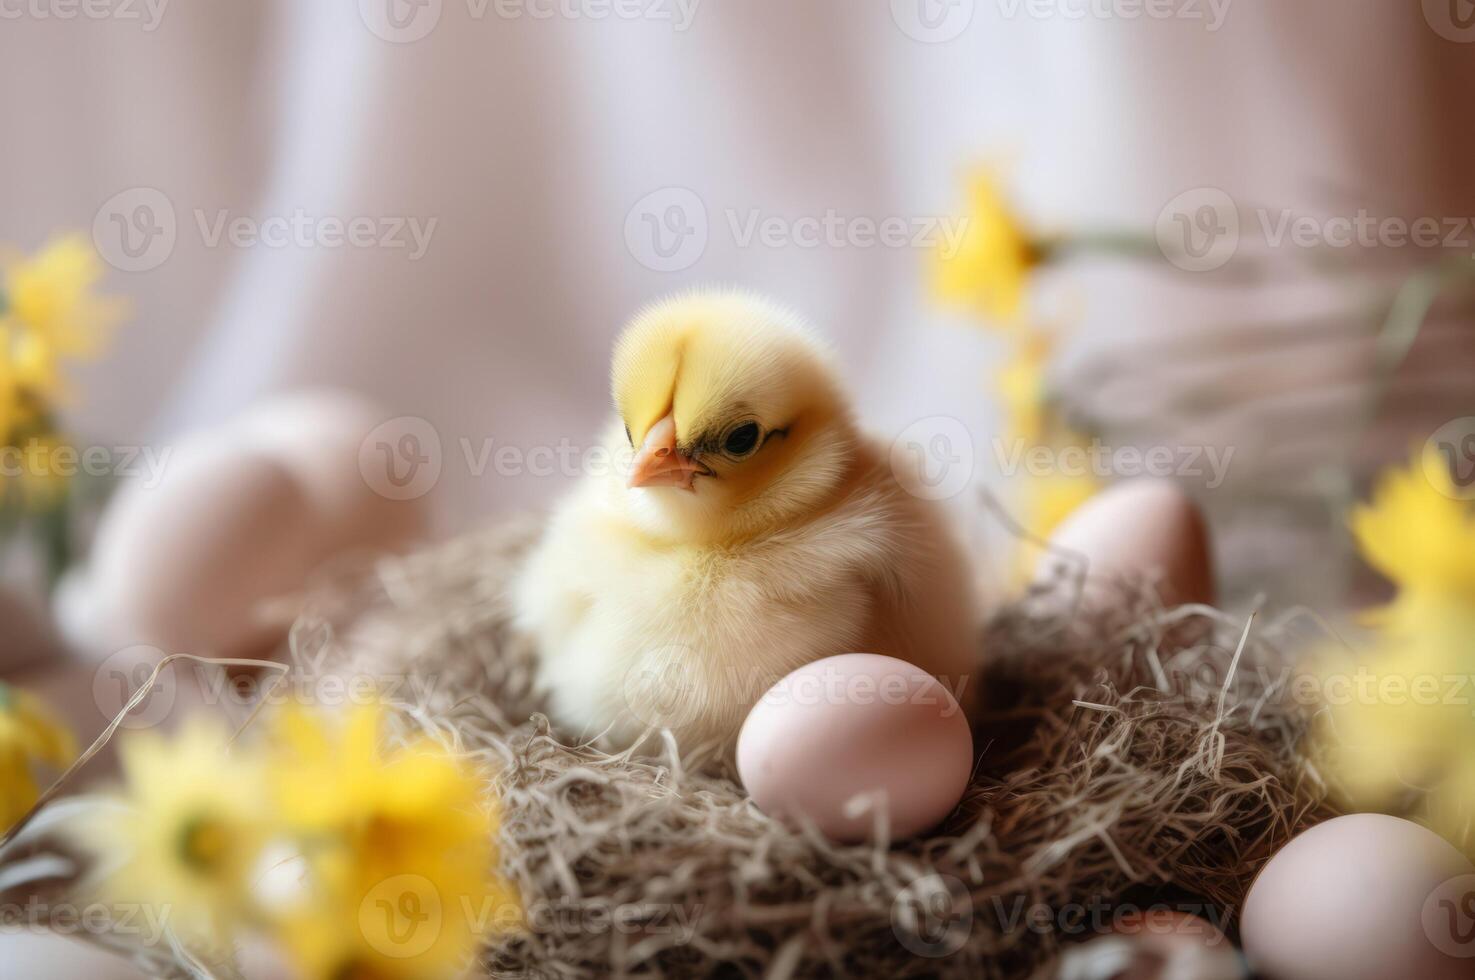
point(1131, 756)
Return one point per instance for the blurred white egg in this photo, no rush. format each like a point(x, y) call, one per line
point(1136, 529)
point(318, 435)
point(1363, 897)
point(183, 565)
point(241, 514)
point(854, 729)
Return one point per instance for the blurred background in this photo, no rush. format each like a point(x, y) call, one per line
point(532, 144)
point(449, 207)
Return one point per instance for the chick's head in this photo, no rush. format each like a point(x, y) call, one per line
point(736, 419)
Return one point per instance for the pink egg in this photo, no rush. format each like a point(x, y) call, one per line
point(241, 514)
point(1363, 897)
point(318, 435)
point(1140, 528)
point(184, 565)
point(843, 738)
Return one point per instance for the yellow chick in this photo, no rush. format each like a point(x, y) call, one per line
point(749, 528)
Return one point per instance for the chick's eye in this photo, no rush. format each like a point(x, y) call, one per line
point(742, 440)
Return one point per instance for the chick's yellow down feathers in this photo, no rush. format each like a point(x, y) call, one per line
point(754, 530)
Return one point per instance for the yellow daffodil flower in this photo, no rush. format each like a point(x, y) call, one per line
point(1398, 720)
point(1046, 502)
point(400, 848)
point(190, 833)
point(51, 295)
point(33, 474)
point(29, 736)
point(1420, 534)
point(1022, 391)
point(989, 268)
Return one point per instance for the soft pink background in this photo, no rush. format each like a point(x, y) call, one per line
point(530, 140)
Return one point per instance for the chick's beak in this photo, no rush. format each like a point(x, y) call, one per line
point(658, 463)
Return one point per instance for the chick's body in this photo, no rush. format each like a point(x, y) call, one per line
point(755, 530)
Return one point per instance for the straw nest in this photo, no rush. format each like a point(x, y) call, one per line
point(1129, 756)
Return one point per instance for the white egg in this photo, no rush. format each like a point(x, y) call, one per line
point(318, 435)
point(1136, 529)
point(841, 738)
point(1363, 897)
point(244, 513)
point(184, 565)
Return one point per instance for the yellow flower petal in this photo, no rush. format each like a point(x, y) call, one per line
point(990, 267)
point(51, 295)
point(30, 736)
